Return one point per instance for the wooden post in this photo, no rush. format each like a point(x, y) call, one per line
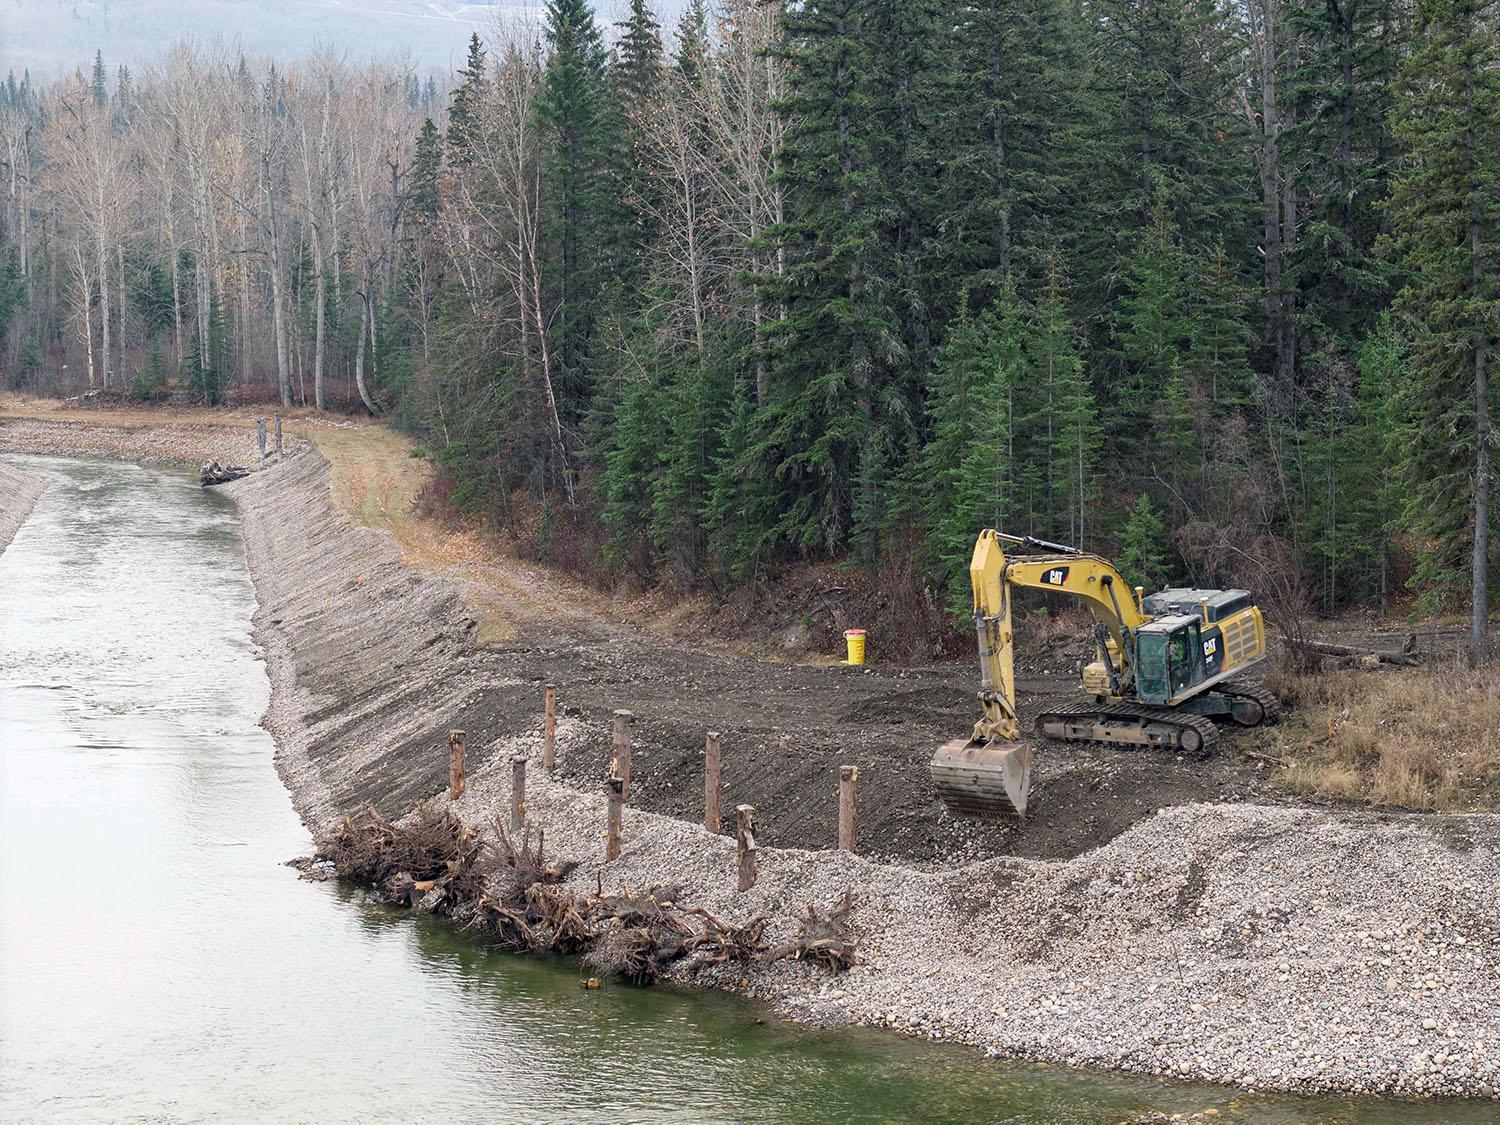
point(616, 789)
point(518, 792)
point(848, 775)
point(278, 435)
point(712, 785)
point(549, 732)
point(455, 764)
point(260, 437)
point(619, 763)
point(744, 816)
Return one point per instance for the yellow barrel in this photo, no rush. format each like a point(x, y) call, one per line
point(855, 639)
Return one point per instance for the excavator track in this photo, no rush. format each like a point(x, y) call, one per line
point(1132, 725)
point(1252, 704)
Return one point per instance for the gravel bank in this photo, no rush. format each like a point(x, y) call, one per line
point(149, 441)
point(1275, 948)
point(19, 491)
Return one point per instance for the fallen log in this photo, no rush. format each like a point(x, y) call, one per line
point(1403, 657)
point(212, 473)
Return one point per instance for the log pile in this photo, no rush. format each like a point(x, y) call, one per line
point(513, 896)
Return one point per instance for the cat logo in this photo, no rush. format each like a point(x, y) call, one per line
point(1057, 576)
point(1210, 647)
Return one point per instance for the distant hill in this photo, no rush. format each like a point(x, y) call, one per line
point(50, 36)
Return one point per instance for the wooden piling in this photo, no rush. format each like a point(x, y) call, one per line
point(278, 435)
point(518, 792)
point(619, 763)
point(260, 437)
point(712, 782)
point(744, 816)
point(549, 732)
point(616, 790)
point(848, 776)
point(455, 764)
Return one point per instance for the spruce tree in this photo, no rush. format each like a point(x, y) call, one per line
point(1143, 557)
point(467, 109)
point(692, 42)
point(426, 168)
point(99, 81)
point(1056, 381)
point(1445, 216)
point(967, 466)
point(579, 199)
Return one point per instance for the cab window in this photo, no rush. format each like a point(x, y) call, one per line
point(1151, 667)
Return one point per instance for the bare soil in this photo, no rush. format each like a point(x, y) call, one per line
point(386, 660)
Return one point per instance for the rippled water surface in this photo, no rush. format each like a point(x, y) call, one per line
point(158, 961)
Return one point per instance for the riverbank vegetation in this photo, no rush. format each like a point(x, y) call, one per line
point(1212, 285)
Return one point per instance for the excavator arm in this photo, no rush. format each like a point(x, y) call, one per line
point(1094, 581)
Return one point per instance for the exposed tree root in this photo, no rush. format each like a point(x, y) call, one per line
point(825, 938)
point(513, 896)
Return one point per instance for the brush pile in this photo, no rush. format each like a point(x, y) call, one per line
point(513, 896)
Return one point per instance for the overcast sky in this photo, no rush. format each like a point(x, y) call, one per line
point(49, 36)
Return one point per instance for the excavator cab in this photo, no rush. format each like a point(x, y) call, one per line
point(1172, 657)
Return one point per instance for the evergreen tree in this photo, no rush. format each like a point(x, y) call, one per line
point(99, 81)
point(426, 168)
point(1346, 60)
point(1059, 390)
point(1445, 215)
point(842, 374)
point(579, 200)
point(637, 80)
point(1143, 557)
point(968, 474)
point(1016, 97)
point(467, 110)
point(692, 42)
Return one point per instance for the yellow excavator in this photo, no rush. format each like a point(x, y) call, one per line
point(1161, 673)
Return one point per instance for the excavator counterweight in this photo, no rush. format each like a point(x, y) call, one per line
point(1162, 671)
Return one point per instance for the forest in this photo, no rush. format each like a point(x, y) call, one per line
point(1208, 286)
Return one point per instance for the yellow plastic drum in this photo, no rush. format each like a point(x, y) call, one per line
point(855, 639)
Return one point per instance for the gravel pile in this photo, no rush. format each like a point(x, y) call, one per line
point(1274, 948)
point(19, 491)
point(154, 442)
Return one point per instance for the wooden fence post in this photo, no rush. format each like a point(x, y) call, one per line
point(712, 785)
point(260, 437)
point(619, 763)
point(848, 775)
point(518, 792)
point(549, 731)
point(616, 790)
point(455, 764)
point(745, 836)
point(278, 435)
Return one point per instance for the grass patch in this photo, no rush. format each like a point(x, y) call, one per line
point(1426, 738)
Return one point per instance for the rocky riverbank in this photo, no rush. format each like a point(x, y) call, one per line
point(19, 492)
point(1274, 948)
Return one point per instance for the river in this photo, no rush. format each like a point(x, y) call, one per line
point(159, 962)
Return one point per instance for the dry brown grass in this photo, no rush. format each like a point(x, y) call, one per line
point(1425, 738)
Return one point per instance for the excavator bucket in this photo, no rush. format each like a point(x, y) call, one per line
point(987, 780)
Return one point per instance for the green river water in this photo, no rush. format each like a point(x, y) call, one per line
point(158, 962)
